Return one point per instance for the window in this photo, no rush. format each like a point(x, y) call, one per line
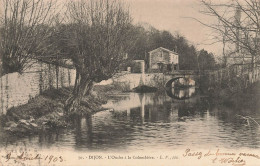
point(161, 54)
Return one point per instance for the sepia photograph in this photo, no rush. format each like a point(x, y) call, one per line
point(129, 82)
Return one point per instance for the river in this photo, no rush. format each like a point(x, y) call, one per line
point(152, 121)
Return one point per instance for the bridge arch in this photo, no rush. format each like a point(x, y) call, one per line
point(169, 83)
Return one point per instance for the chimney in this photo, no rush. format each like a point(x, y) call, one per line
point(237, 23)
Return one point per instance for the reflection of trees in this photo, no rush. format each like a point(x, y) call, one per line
point(229, 116)
point(109, 130)
point(185, 110)
point(155, 113)
point(136, 115)
point(83, 132)
point(117, 129)
point(49, 138)
point(232, 125)
point(191, 108)
point(161, 108)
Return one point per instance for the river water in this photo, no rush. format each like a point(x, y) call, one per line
point(177, 119)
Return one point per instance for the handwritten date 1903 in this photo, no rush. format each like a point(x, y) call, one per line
point(24, 156)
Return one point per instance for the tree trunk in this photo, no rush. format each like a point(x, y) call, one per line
point(253, 68)
point(82, 87)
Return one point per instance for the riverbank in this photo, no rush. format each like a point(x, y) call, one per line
point(248, 98)
point(46, 111)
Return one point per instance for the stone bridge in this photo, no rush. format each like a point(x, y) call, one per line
point(206, 78)
point(158, 80)
point(176, 75)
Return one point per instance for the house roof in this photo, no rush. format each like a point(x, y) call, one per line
point(164, 49)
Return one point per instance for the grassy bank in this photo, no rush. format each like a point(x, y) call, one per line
point(247, 98)
point(46, 111)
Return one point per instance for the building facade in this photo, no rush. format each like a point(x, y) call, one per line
point(163, 60)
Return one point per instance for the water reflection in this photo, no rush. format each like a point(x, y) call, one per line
point(152, 121)
point(181, 94)
point(83, 132)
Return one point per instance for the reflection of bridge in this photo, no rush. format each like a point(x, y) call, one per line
point(180, 94)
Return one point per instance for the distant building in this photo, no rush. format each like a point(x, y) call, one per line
point(139, 66)
point(163, 60)
point(241, 55)
point(239, 58)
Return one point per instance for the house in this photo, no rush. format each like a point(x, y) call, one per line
point(163, 60)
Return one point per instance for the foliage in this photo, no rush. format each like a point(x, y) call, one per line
point(24, 32)
point(148, 39)
point(206, 60)
point(97, 36)
point(237, 27)
point(122, 86)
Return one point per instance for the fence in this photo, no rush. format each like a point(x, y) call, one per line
point(16, 89)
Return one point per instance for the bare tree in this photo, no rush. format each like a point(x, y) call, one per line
point(97, 35)
point(25, 29)
point(237, 27)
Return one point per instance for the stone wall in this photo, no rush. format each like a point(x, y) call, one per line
point(135, 79)
point(158, 80)
point(16, 89)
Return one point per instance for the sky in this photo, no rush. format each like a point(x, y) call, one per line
point(176, 16)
